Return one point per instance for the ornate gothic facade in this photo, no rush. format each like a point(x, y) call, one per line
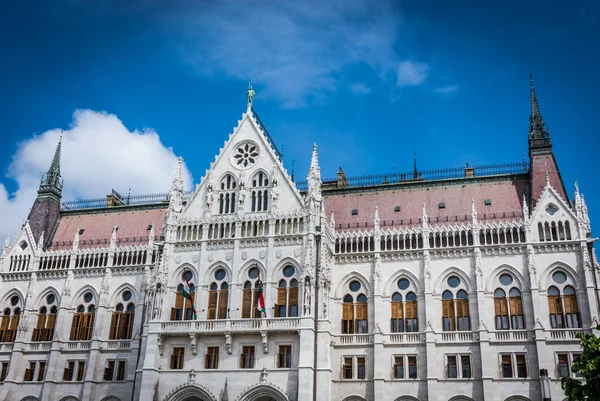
point(464, 284)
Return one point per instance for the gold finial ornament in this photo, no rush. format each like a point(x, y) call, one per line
point(250, 93)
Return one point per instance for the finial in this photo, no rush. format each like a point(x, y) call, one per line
point(415, 171)
point(576, 188)
point(376, 218)
point(547, 178)
point(7, 243)
point(473, 212)
point(332, 219)
point(293, 162)
point(525, 208)
point(425, 218)
point(250, 94)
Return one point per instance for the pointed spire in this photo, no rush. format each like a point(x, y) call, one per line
point(539, 136)
point(151, 235)
point(178, 179)
point(425, 218)
point(473, 212)
point(547, 178)
point(332, 220)
point(40, 244)
point(525, 209)
point(415, 171)
point(314, 175)
point(225, 395)
point(55, 166)
point(376, 218)
point(51, 182)
point(7, 244)
point(576, 188)
point(76, 241)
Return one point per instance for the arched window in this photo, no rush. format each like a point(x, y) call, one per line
point(44, 329)
point(184, 298)
point(404, 308)
point(83, 319)
point(121, 325)
point(508, 309)
point(355, 310)
point(287, 294)
point(562, 303)
point(250, 295)
point(455, 306)
point(218, 296)
point(10, 320)
point(260, 192)
point(227, 195)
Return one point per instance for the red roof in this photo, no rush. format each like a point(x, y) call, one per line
point(506, 195)
point(539, 165)
point(133, 228)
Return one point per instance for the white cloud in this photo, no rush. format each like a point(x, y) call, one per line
point(296, 51)
point(359, 88)
point(411, 73)
point(447, 90)
point(98, 154)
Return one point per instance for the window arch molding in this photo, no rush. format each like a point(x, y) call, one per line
point(11, 293)
point(277, 272)
point(452, 271)
point(340, 291)
point(243, 272)
point(460, 398)
point(391, 286)
point(406, 398)
point(492, 280)
point(76, 300)
point(115, 297)
point(41, 299)
point(177, 273)
point(209, 274)
point(546, 281)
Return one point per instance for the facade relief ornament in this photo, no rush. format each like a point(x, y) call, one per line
point(307, 303)
point(274, 196)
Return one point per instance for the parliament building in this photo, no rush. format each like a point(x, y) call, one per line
point(467, 283)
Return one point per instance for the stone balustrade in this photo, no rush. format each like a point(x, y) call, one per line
point(291, 324)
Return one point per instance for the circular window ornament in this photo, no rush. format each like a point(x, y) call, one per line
point(50, 299)
point(506, 279)
point(88, 297)
point(354, 286)
point(403, 283)
point(551, 209)
point(289, 271)
point(14, 300)
point(245, 155)
point(453, 281)
point(187, 275)
point(559, 277)
point(253, 273)
point(126, 295)
point(220, 274)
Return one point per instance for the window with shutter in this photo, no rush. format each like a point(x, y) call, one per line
point(246, 303)
point(29, 372)
point(347, 368)
point(411, 316)
point(4, 327)
point(114, 326)
point(348, 318)
point(80, 370)
point(399, 367)
point(462, 311)
point(68, 373)
point(571, 311)
point(361, 371)
point(521, 366)
point(507, 370)
point(281, 307)
point(4, 372)
point(465, 362)
point(109, 370)
point(41, 371)
point(223, 302)
point(293, 307)
point(397, 318)
point(556, 312)
point(448, 315)
point(50, 324)
point(212, 304)
point(563, 365)
point(452, 368)
point(516, 312)
point(412, 367)
point(361, 318)
point(212, 358)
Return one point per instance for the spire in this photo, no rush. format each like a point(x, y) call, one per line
point(51, 183)
point(525, 209)
point(376, 218)
point(332, 219)
point(178, 179)
point(473, 212)
point(425, 218)
point(7, 243)
point(415, 171)
point(40, 243)
point(539, 135)
point(314, 174)
point(224, 394)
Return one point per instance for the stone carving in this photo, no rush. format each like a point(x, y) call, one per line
point(265, 341)
point(274, 196)
point(538, 324)
point(193, 343)
point(67, 288)
point(210, 197)
point(242, 196)
point(159, 344)
point(192, 376)
point(307, 297)
point(325, 299)
point(228, 342)
point(264, 376)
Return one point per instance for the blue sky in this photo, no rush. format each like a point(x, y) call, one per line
point(369, 81)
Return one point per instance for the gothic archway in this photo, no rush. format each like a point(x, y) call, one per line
point(190, 392)
point(263, 392)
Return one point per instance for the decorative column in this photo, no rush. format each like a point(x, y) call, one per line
point(428, 313)
point(380, 365)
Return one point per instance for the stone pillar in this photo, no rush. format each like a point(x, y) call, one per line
point(152, 358)
point(306, 366)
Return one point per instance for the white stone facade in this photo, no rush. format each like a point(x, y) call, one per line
point(203, 237)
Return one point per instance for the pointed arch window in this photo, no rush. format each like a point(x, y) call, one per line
point(10, 320)
point(355, 311)
point(227, 195)
point(260, 192)
point(218, 296)
point(121, 325)
point(404, 316)
point(184, 307)
point(508, 308)
point(44, 329)
point(455, 306)
point(250, 293)
point(83, 319)
point(562, 303)
point(287, 294)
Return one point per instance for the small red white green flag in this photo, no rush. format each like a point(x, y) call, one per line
point(188, 293)
point(261, 297)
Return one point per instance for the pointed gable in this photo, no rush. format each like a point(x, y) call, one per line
point(247, 168)
point(552, 219)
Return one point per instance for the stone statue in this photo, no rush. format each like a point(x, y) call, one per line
point(264, 375)
point(242, 195)
point(210, 197)
point(250, 94)
point(274, 196)
point(307, 297)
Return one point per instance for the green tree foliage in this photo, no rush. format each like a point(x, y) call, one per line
point(588, 365)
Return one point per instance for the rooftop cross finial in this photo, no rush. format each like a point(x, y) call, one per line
point(250, 94)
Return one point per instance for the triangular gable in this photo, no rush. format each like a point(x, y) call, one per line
point(247, 132)
point(16, 249)
point(544, 210)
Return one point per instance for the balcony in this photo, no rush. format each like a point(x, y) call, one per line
point(352, 339)
point(456, 337)
point(405, 338)
point(510, 336)
point(185, 327)
point(563, 334)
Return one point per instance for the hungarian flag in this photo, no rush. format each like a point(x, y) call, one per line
point(188, 293)
point(261, 297)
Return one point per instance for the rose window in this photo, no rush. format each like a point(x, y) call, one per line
point(246, 154)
